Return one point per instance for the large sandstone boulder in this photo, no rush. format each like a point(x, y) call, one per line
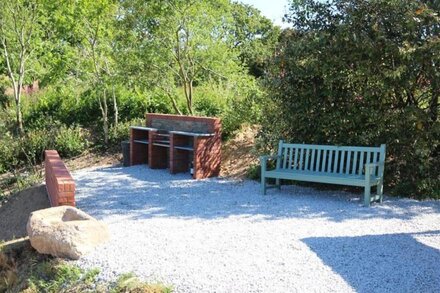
point(65, 231)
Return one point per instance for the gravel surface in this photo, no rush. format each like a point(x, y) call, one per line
point(219, 235)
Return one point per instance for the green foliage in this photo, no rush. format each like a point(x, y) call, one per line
point(48, 277)
point(121, 132)
point(28, 150)
point(22, 269)
point(254, 37)
point(8, 153)
point(359, 72)
point(130, 283)
point(70, 141)
point(254, 172)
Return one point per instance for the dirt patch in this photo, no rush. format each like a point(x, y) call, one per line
point(238, 153)
point(90, 159)
point(14, 212)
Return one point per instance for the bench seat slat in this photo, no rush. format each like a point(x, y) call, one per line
point(331, 178)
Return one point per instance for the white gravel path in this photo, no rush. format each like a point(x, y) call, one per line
point(218, 235)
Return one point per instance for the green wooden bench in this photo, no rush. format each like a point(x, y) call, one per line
point(344, 165)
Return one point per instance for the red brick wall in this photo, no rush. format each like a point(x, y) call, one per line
point(59, 183)
point(184, 123)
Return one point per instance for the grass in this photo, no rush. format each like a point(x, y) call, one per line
point(22, 269)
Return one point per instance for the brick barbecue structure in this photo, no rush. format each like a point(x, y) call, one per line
point(178, 143)
point(60, 185)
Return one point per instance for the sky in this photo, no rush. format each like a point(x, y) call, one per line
point(272, 9)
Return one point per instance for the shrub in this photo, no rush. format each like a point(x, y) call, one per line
point(9, 150)
point(70, 141)
point(361, 73)
point(121, 131)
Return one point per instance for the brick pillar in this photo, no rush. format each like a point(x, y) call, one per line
point(207, 157)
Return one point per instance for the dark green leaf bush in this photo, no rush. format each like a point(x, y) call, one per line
point(357, 72)
point(121, 132)
point(70, 141)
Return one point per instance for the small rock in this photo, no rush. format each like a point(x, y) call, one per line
point(65, 232)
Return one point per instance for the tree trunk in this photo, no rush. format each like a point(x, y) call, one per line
point(16, 85)
point(19, 117)
point(115, 107)
point(104, 111)
point(190, 97)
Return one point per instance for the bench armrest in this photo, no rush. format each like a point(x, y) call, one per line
point(264, 159)
point(369, 168)
point(371, 165)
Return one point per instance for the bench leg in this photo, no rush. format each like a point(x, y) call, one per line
point(367, 195)
point(263, 184)
point(380, 191)
point(278, 183)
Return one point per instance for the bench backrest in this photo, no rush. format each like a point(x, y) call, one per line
point(347, 160)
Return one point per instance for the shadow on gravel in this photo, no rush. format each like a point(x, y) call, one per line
point(15, 212)
point(140, 193)
point(382, 263)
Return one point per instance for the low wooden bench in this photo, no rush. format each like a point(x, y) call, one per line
point(344, 165)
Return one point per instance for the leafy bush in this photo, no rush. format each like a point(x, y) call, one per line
point(8, 152)
point(121, 132)
point(235, 103)
point(70, 141)
point(361, 73)
point(28, 150)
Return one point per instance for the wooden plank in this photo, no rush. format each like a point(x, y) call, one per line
point(296, 159)
point(330, 147)
point(318, 161)
point(361, 163)
point(330, 160)
point(369, 161)
point(301, 158)
point(355, 157)
point(312, 161)
point(306, 167)
point(335, 164)
point(290, 158)
point(341, 163)
point(347, 164)
point(285, 158)
point(376, 160)
point(324, 161)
